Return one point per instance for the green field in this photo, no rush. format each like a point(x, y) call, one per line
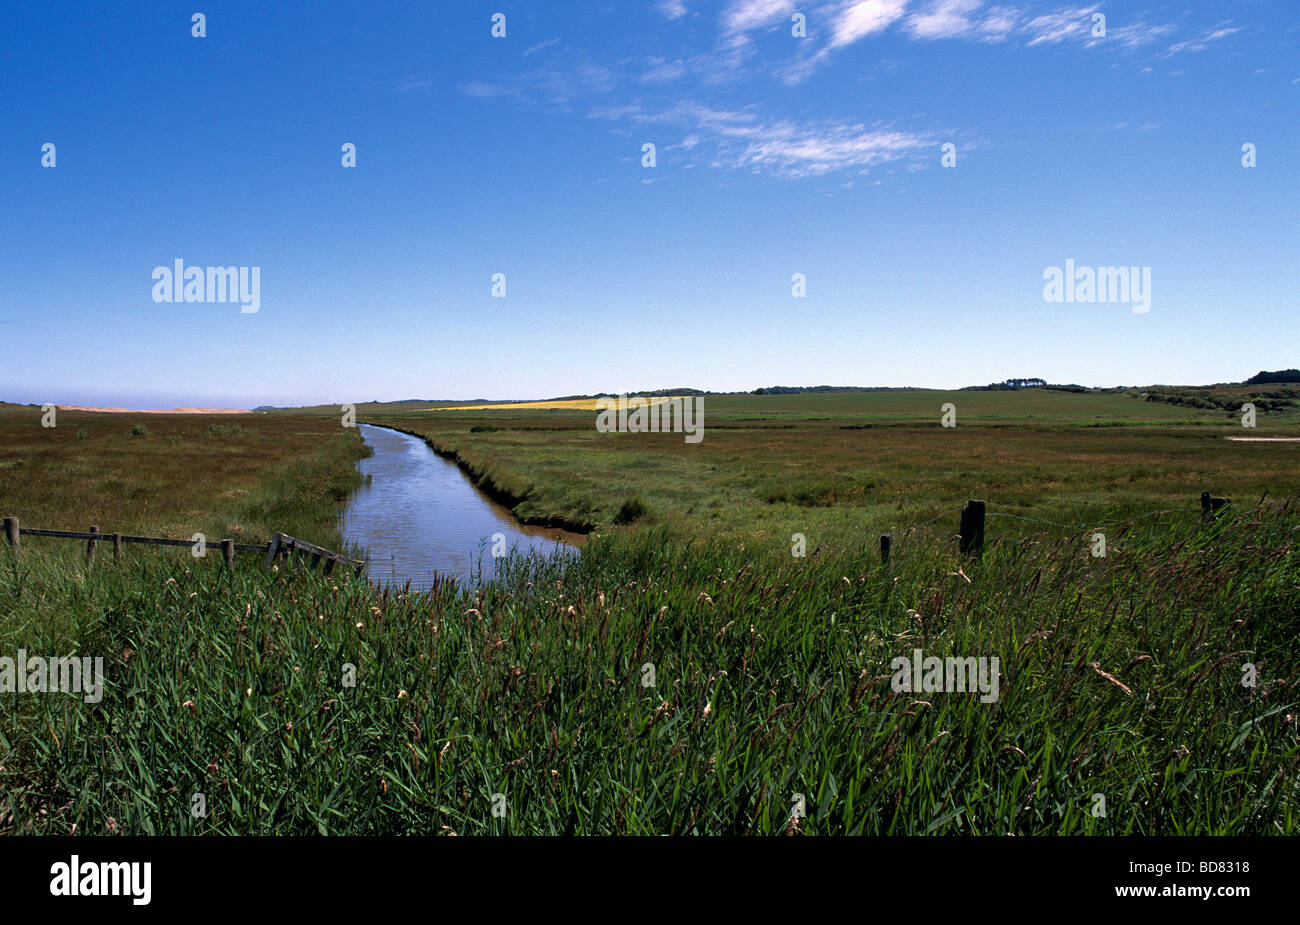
point(842, 468)
point(227, 476)
point(1120, 675)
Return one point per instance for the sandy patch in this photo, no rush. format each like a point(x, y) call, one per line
point(154, 410)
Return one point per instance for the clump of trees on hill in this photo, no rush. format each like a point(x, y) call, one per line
point(1010, 385)
point(1282, 375)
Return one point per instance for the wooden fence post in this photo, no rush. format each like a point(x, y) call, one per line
point(1211, 505)
point(228, 552)
point(972, 528)
point(884, 548)
point(117, 547)
point(12, 533)
point(90, 547)
point(273, 549)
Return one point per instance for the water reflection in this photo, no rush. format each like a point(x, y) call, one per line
point(420, 517)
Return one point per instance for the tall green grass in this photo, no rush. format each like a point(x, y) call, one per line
point(1120, 676)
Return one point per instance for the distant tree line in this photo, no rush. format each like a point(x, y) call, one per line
point(1229, 402)
point(651, 393)
point(1282, 375)
point(802, 389)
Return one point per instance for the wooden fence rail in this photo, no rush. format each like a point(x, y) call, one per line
point(970, 539)
point(281, 545)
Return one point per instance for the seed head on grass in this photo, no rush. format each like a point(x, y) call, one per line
point(1096, 666)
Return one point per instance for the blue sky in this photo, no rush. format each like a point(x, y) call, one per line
point(522, 155)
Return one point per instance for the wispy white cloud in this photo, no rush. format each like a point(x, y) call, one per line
point(997, 23)
point(742, 139)
point(1135, 35)
point(972, 20)
point(944, 19)
point(483, 90)
point(745, 15)
point(672, 9)
point(547, 43)
point(835, 25)
point(849, 21)
point(552, 84)
point(661, 70)
point(777, 143)
point(1221, 33)
point(1202, 42)
point(1059, 26)
point(857, 20)
point(797, 150)
point(979, 21)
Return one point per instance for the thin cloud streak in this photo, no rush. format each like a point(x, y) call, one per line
point(742, 139)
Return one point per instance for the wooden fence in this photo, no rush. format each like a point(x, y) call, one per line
point(970, 539)
point(280, 545)
point(970, 532)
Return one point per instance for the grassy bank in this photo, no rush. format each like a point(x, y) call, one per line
point(1119, 676)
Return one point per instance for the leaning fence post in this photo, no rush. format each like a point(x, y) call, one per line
point(272, 549)
point(12, 533)
point(884, 548)
point(228, 552)
point(90, 547)
point(972, 528)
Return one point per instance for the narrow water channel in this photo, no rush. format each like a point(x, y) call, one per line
point(419, 516)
